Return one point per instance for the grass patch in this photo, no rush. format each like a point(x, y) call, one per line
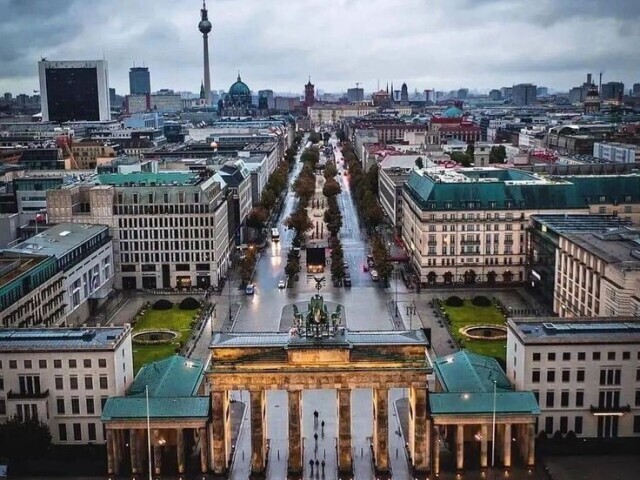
point(175, 319)
point(469, 314)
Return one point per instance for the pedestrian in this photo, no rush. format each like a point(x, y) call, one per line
point(322, 424)
point(311, 465)
point(315, 437)
point(322, 463)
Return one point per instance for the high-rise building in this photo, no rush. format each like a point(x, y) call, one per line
point(74, 90)
point(495, 95)
point(404, 93)
point(269, 96)
point(612, 91)
point(524, 94)
point(462, 93)
point(635, 92)
point(542, 91)
point(355, 94)
point(139, 81)
point(205, 27)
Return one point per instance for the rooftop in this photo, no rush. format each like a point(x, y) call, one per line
point(13, 265)
point(149, 179)
point(620, 247)
point(554, 330)
point(59, 239)
point(579, 223)
point(56, 339)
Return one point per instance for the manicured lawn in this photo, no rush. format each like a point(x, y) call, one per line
point(469, 314)
point(174, 319)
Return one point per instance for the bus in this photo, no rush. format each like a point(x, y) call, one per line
point(275, 235)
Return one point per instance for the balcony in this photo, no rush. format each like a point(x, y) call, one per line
point(27, 395)
point(470, 242)
point(610, 411)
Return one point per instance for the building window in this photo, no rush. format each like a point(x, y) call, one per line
point(73, 363)
point(88, 383)
point(595, 356)
point(564, 424)
point(91, 430)
point(582, 356)
point(551, 356)
point(610, 376)
point(577, 426)
point(91, 409)
point(57, 363)
point(13, 364)
point(536, 357)
point(42, 364)
point(102, 363)
point(638, 375)
point(3, 406)
point(60, 406)
point(104, 383)
point(550, 399)
point(637, 398)
point(626, 355)
point(579, 398)
point(75, 406)
point(103, 400)
point(580, 376)
point(27, 364)
point(73, 383)
point(548, 425)
point(77, 432)
point(535, 376)
point(566, 356)
point(564, 399)
point(551, 376)
point(62, 432)
point(611, 355)
point(86, 363)
point(1, 383)
point(636, 424)
point(59, 383)
point(566, 375)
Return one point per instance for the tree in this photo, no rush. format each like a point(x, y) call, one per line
point(268, 199)
point(461, 158)
point(381, 259)
point(497, 154)
point(305, 186)
point(24, 440)
point(471, 148)
point(299, 221)
point(419, 163)
point(311, 156)
point(331, 188)
point(337, 259)
point(372, 179)
point(315, 137)
point(326, 137)
point(257, 217)
point(330, 170)
point(247, 265)
point(341, 136)
point(293, 265)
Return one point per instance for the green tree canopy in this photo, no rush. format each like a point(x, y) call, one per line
point(257, 217)
point(419, 163)
point(497, 154)
point(461, 158)
point(331, 188)
point(24, 440)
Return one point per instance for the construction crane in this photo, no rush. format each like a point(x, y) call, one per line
point(358, 84)
point(64, 142)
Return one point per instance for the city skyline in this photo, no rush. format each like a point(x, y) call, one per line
point(441, 47)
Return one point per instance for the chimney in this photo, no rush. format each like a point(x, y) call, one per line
point(588, 79)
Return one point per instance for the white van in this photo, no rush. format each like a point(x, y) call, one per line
point(374, 275)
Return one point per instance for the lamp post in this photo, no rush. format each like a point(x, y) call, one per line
point(493, 434)
point(229, 294)
point(395, 274)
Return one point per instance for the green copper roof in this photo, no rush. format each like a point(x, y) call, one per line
point(148, 179)
point(172, 377)
point(466, 372)
point(123, 408)
point(482, 403)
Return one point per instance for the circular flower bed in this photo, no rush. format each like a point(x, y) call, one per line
point(484, 332)
point(154, 337)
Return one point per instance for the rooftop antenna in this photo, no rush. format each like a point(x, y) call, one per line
point(600, 85)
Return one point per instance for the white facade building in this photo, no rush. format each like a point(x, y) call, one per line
point(63, 377)
point(615, 152)
point(585, 373)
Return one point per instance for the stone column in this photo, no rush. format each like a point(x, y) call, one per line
point(436, 450)
point(295, 432)
point(203, 450)
point(257, 432)
point(506, 446)
point(531, 442)
point(381, 428)
point(344, 431)
point(419, 426)
point(157, 453)
point(110, 459)
point(180, 449)
point(133, 449)
point(484, 433)
point(219, 454)
point(460, 448)
point(116, 451)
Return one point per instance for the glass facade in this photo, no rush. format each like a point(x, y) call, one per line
point(72, 94)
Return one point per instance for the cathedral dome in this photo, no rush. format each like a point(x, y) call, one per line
point(239, 88)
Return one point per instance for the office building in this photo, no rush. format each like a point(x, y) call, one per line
point(63, 377)
point(612, 91)
point(74, 91)
point(355, 95)
point(524, 94)
point(615, 152)
point(139, 81)
point(270, 98)
point(84, 254)
point(583, 371)
point(169, 228)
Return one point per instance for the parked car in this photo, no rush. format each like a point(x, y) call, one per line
point(282, 284)
point(365, 268)
point(345, 265)
point(374, 275)
point(347, 281)
point(250, 289)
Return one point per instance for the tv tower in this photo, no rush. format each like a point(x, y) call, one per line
point(205, 27)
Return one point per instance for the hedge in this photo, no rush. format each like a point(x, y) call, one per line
point(163, 304)
point(189, 303)
point(481, 301)
point(454, 301)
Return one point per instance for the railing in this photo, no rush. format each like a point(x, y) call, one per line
point(27, 395)
point(620, 409)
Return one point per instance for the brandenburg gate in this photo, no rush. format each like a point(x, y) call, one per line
point(318, 353)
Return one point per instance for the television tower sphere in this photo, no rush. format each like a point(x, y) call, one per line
point(205, 25)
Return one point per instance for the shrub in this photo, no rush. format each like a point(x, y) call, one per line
point(454, 301)
point(481, 301)
point(163, 304)
point(189, 303)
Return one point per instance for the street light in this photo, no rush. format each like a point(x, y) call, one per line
point(396, 278)
point(493, 435)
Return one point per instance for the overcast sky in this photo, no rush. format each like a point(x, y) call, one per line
point(441, 44)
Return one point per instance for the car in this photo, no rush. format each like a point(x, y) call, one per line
point(282, 284)
point(347, 281)
point(365, 268)
point(250, 289)
point(374, 275)
point(345, 265)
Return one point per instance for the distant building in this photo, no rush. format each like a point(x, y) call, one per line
point(74, 90)
point(612, 91)
point(495, 95)
point(269, 95)
point(139, 81)
point(166, 102)
point(309, 94)
point(404, 93)
point(137, 103)
point(615, 152)
point(635, 91)
point(542, 91)
point(462, 94)
point(524, 94)
point(355, 95)
point(506, 92)
point(63, 377)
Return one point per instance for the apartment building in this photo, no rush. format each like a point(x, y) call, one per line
point(393, 174)
point(469, 225)
point(63, 377)
point(585, 373)
point(598, 274)
point(169, 229)
point(84, 254)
